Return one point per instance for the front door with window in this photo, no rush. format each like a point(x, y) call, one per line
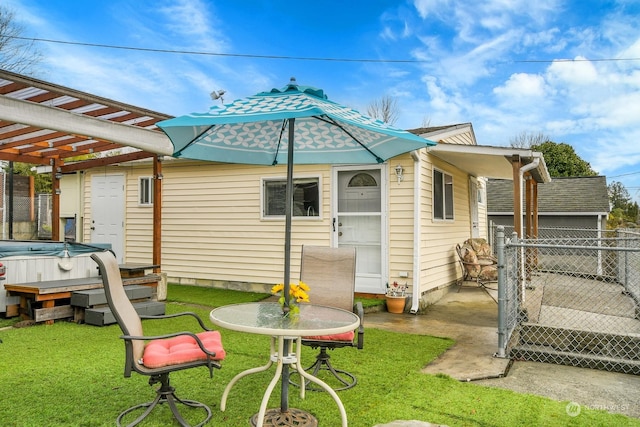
point(359, 222)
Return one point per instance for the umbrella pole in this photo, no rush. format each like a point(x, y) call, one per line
point(288, 206)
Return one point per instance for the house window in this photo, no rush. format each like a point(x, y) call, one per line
point(145, 191)
point(306, 197)
point(442, 195)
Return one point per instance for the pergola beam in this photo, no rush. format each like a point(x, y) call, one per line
point(32, 114)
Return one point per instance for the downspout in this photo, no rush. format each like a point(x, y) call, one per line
point(526, 168)
point(415, 298)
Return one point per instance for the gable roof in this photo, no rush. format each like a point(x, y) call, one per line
point(585, 194)
point(452, 134)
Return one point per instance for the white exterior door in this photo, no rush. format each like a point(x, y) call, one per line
point(359, 221)
point(107, 212)
point(473, 208)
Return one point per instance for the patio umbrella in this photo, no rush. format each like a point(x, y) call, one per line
point(295, 124)
point(257, 130)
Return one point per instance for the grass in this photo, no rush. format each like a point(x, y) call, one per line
point(71, 375)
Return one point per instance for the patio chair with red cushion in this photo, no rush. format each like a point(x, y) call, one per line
point(331, 275)
point(157, 356)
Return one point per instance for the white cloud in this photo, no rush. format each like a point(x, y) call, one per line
point(427, 8)
point(522, 85)
point(573, 73)
point(615, 151)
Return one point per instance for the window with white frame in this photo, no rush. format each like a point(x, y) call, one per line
point(145, 191)
point(442, 195)
point(306, 197)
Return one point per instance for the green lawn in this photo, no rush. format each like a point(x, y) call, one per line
point(71, 375)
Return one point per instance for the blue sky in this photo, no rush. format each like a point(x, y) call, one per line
point(499, 64)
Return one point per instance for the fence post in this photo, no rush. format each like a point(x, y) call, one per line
point(502, 293)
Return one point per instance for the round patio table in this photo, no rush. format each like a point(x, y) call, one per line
point(266, 318)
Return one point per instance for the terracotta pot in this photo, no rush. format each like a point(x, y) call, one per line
point(395, 304)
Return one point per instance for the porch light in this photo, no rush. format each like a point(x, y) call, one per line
point(399, 173)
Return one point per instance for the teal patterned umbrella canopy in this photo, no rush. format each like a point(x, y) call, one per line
point(258, 130)
point(255, 130)
point(292, 125)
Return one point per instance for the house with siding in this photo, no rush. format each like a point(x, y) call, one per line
point(223, 224)
point(565, 202)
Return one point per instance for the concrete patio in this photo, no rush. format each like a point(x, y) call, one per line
point(469, 316)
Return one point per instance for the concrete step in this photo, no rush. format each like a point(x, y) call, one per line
point(547, 354)
point(605, 344)
point(101, 316)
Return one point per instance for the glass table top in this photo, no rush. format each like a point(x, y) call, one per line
point(267, 318)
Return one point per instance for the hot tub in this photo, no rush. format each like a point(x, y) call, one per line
point(34, 261)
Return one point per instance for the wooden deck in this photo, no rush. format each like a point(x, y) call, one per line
point(48, 300)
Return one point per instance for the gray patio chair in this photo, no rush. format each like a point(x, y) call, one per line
point(331, 275)
point(157, 356)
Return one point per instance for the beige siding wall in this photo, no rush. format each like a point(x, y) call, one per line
point(211, 223)
point(438, 263)
point(86, 205)
point(212, 230)
point(138, 218)
point(401, 220)
point(464, 138)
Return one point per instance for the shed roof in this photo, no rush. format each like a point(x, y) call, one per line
point(586, 194)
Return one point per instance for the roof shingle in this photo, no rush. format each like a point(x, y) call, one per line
point(562, 194)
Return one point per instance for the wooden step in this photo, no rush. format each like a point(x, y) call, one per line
point(101, 316)
point(93, 297)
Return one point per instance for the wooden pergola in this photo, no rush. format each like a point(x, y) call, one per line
point(46, 124)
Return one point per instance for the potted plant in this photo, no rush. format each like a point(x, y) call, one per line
point(396, 297)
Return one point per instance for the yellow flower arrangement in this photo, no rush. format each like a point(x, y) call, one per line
point(297, 294)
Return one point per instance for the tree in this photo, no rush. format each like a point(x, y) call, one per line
point(528, 139)
point(385, 109)
point(562, 160)
point(16, 54)
point(622, 208)
point(618, 195)
point(42, 181)
point(19, 56)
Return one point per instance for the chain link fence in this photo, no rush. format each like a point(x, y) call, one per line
point(31, 218)
point(571, 300)
point(45, 207)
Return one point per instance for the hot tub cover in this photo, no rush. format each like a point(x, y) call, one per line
point(9, 248)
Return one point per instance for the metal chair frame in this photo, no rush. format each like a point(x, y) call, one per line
point(134, 341)
point(330, 273)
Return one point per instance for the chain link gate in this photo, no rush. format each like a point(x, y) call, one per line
point(572, 301)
